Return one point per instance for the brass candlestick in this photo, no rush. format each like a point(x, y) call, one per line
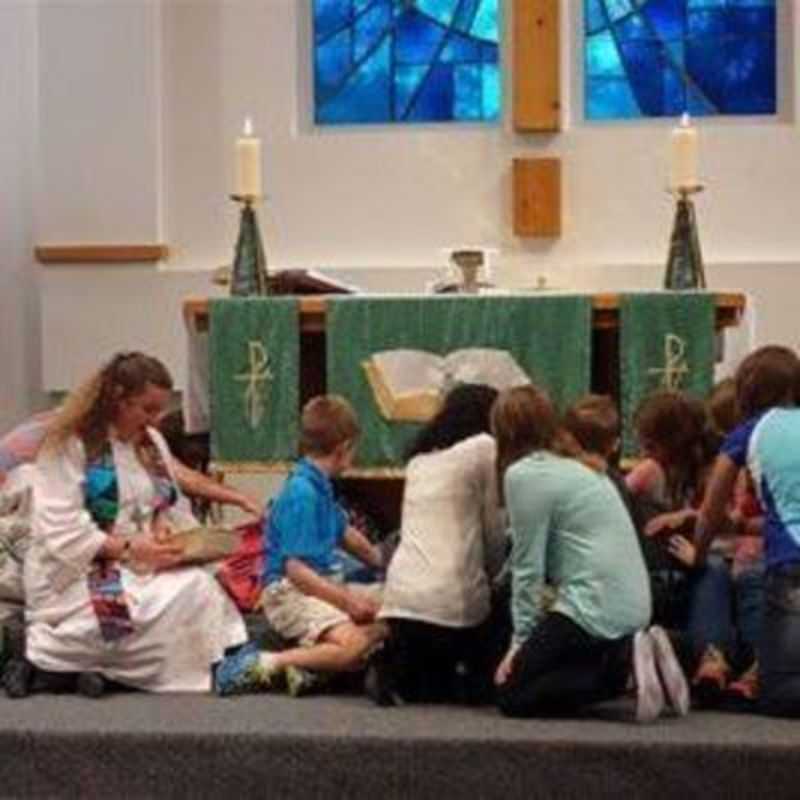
point(249, 273)
point(685, 270)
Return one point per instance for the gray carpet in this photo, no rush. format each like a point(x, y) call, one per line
point(328, 747)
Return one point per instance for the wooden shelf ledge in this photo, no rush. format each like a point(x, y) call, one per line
point(605, 311)
point(101, 253)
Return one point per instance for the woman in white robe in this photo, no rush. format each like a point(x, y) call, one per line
point(169, 624)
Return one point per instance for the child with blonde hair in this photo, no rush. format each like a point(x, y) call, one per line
point(593, 421)
point(306, 600)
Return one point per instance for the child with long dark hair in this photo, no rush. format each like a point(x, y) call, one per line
point(570, 525)
point(672, 432)
point(437, 596)
point(723, 591)
point(667, 486)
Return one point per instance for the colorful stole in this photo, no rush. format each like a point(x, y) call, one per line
point(101, 497)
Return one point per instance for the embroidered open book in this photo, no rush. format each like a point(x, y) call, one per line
point(204, 544)
point(409, 385)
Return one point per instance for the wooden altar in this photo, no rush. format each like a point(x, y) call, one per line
point(380, 490)
point(605, 336)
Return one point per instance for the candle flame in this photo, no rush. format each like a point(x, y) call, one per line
point(248, 126)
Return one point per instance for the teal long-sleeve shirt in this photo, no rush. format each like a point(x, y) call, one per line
point(569, 525)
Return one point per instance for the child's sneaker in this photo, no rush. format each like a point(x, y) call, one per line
point(672, 677)
point(711, 678)
point(301, 682)
point(746, 686)
point(649, 694)
point(247, 670)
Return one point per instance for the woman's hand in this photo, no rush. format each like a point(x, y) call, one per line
point(669, 522)
point(147, 551)
point(683, 550)
point(161, 530)
point(248, 505)
point(504, 668)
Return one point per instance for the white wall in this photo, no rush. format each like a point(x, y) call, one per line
point(99, 102)
point(396, 194)
point(19, 313)
point(174, 80)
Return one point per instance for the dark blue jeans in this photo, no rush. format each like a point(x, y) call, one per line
point(726, 611)
point(710, 618)
point(779, 653)
point(749, 587)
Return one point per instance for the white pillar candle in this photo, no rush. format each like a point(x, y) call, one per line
point(248, 162)
point(683, 152)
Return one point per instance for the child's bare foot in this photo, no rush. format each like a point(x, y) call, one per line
point(746, 686)
point(711, 678)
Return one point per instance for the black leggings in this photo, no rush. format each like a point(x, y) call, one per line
point(427, 663)
point(561, 668)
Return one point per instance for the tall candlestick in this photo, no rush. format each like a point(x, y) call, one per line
point(683, 161)
point(248, 162)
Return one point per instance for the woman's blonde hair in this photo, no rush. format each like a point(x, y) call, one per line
point(524, 420)
point(91, 407)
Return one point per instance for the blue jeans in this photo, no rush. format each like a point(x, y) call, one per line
point(749, 586)
point(779, 652)
point(726, 611)
point(711, 594)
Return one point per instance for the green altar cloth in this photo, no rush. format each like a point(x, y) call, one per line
point(666, 342)
point(548, 336)
point(254, 357)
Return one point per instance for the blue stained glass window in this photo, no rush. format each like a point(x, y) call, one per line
point(406, 61)
point(656, 58)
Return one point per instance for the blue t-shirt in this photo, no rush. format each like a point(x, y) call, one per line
point(769, 446)
point(305, 522)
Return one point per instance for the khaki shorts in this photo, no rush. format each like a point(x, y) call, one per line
point(301, 617)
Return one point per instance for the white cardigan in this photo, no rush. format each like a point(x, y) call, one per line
point(452, 541)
